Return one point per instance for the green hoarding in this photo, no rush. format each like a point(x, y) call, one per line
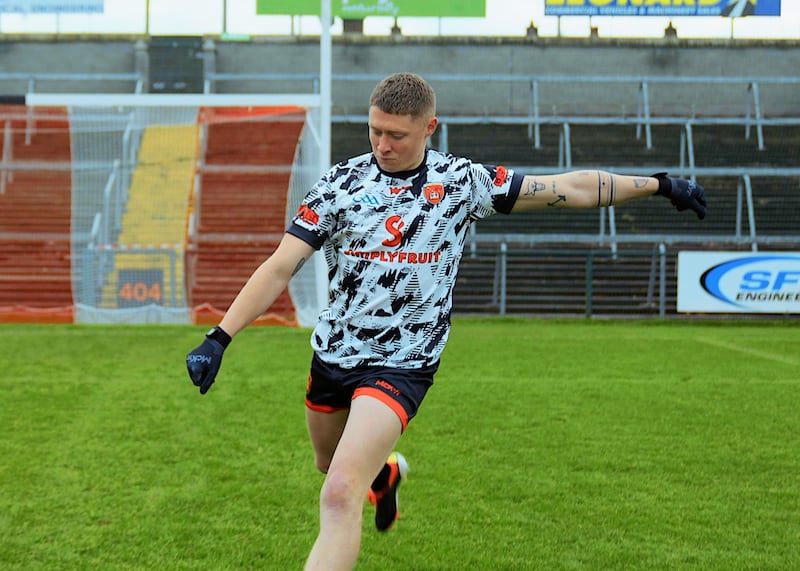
point(363, 8)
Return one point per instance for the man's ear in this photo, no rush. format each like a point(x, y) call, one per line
point(431, 128)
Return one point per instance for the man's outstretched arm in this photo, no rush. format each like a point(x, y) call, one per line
point(595, 189)
point(263, 287)
point(266, 283)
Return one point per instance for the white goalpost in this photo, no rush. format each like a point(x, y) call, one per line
point(138, 167)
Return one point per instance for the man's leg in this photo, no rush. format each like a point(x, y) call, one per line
point(369, 436)
point(325, 429)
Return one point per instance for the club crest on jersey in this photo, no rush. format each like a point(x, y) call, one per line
point(305, 213)
point(500, 176)
point(434, 193)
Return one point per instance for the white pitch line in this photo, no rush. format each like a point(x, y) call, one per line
point(750, 351)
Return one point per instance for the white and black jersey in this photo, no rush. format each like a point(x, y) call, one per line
point(392, 243)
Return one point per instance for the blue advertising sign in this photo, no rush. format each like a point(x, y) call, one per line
point(739, 282)
point(727, 8)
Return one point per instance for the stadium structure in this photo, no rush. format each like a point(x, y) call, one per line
point(143, 179)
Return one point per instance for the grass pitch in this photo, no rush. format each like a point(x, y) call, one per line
point(542, 445)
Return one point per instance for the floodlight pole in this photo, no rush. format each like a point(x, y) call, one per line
point(325, 92)
point(325, 89)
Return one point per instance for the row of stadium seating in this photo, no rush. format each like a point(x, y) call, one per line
point(546, 269)
point(242, 211)
point(240, 215)
point(243, 177)
point(35, 257)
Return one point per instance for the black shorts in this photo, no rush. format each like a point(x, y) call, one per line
point(331, 388)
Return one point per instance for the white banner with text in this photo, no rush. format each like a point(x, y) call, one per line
point(739, 282)
point(52, 6)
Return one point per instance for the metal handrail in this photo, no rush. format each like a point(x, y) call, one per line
point(521, 77)
point(588, 120)
point(32, 77)
point(600, 240)
point(501, 255)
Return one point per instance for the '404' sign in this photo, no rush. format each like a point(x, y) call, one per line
point(140, 287)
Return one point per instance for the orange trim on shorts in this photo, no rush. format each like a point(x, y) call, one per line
point(324, 408)
point(385, 399)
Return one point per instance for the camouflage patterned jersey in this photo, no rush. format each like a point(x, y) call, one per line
point(392, 243)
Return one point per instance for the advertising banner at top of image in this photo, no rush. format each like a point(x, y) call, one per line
point(51, 6)
point(727, 8)
point(357, 9)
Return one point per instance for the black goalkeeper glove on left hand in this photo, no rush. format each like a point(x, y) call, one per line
point(683, 194)
point(204, 361)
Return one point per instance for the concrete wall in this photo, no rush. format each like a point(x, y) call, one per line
point(47, 55)
point(527, 58)
point(465, 57)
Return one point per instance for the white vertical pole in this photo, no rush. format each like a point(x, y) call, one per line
point(325, 88)
point(325, 91)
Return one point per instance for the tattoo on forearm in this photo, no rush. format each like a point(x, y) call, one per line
point(533, 187)
point(558, 197)
point(606, 182)
point(299, 265)
point(612, 190)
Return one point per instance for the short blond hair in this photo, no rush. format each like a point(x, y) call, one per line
point(404, 94)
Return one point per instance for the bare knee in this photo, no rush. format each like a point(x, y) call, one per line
point(340, 493)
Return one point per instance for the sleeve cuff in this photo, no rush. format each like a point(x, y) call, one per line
point(505, 203)
point(306, 236)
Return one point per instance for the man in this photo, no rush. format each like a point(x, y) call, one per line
point(392, 225)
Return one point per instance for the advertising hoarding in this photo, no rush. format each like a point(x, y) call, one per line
point(727, 8)
point(739, 282)
point(356, 9)
point(51, 6)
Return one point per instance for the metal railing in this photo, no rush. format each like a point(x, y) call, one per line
point(685, 165)
point(33, 80)
point(750, 117)
point(750, 88)
point(654, 301)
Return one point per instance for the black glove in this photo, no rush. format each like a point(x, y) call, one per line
point(683, 194)
point(203, 363)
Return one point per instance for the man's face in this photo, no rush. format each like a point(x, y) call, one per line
point(398, 141)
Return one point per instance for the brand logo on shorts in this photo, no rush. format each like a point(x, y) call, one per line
point(388, 386)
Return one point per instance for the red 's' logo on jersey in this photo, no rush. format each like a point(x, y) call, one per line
point(305, 213)
point(434, 193)
point(394, 225)
point(500, 176)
